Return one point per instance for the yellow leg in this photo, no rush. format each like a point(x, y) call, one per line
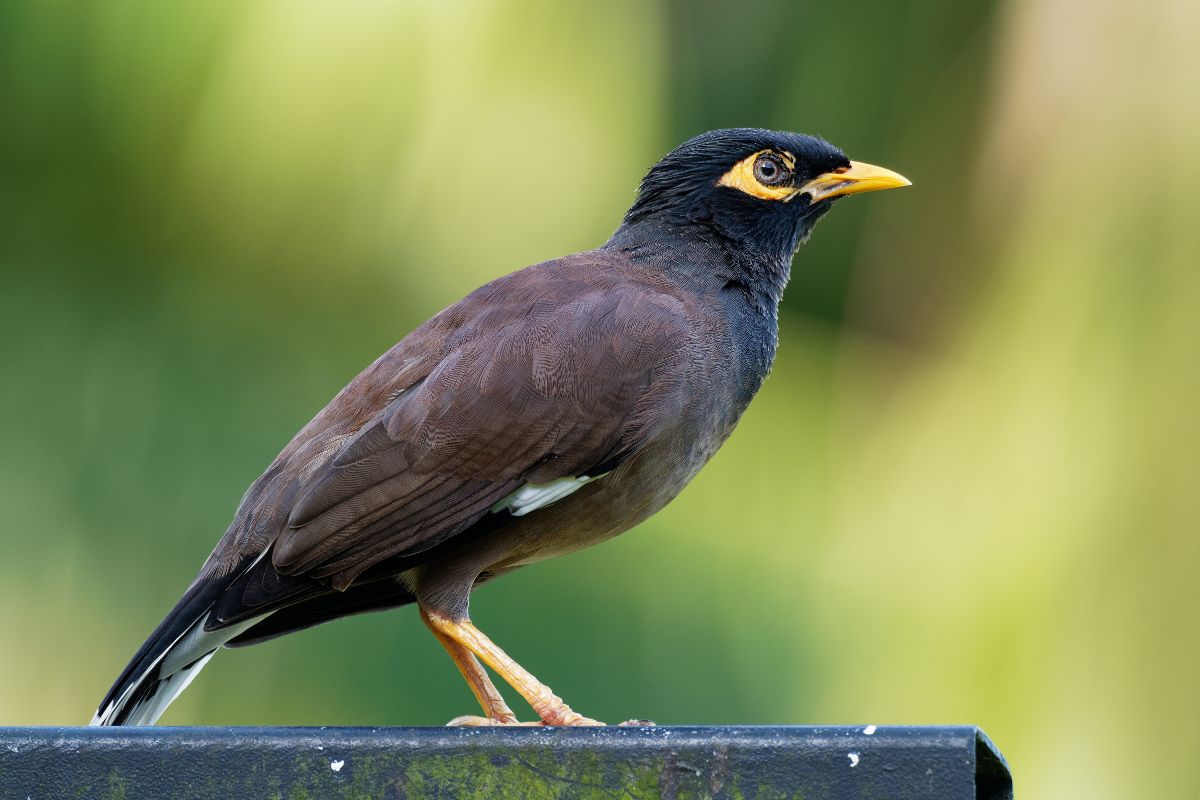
point(496, 711)
point(548, 706)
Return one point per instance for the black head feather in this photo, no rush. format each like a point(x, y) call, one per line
point(683, 188)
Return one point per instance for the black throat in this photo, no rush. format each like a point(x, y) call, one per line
point(744, 284)
point(703, 258)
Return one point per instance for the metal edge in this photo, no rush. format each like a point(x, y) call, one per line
point(993, 778)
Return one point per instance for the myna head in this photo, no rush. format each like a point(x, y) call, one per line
point(762, 190)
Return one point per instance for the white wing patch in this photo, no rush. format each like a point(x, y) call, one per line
point(533, 496)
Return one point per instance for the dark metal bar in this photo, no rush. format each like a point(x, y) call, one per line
point(610, 763)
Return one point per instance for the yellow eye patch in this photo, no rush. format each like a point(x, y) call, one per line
point(741, 177)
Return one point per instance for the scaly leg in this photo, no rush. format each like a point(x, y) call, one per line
point(496, 711)
point(548, 706)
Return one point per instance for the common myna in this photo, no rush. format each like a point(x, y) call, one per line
point(547, 411)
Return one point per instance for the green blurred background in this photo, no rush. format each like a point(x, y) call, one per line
point(966, 495)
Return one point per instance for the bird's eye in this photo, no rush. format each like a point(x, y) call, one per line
point(769, 171)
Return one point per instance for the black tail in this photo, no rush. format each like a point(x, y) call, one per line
point(247, 606)
point(168, 660)
point(138, 681)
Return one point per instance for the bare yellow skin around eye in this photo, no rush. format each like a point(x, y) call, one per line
point(741, 177)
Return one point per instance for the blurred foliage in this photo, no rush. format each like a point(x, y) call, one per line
point(966, 495)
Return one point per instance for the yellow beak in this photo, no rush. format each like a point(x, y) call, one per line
point(858, 177)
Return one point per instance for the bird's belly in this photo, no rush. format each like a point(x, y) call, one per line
point(627, 496)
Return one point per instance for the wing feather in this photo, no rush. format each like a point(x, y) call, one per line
point(546, 380)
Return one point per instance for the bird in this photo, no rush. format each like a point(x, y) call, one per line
point(547, 411)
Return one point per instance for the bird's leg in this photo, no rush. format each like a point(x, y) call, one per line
point(549, 707)
point(496, 711)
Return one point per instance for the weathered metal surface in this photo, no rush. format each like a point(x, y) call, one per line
point(611, 763)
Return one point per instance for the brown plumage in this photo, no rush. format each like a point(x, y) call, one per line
point(547, 411)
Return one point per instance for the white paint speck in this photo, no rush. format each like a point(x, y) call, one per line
point(869, 730)
point(853, 759)
point(336, 766)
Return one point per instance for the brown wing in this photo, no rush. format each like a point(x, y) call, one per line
point(552, 378)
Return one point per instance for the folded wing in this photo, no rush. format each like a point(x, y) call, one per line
point(562, 389)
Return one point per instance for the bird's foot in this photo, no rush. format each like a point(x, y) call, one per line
point(467, 646)
point(553, 711)
point(470, 721)
point(577, 721)
point(569, 719)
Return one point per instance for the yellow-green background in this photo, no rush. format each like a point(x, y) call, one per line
point(968, 493)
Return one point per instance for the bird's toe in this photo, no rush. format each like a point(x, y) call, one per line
point(580, 722)
point(471, 721)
